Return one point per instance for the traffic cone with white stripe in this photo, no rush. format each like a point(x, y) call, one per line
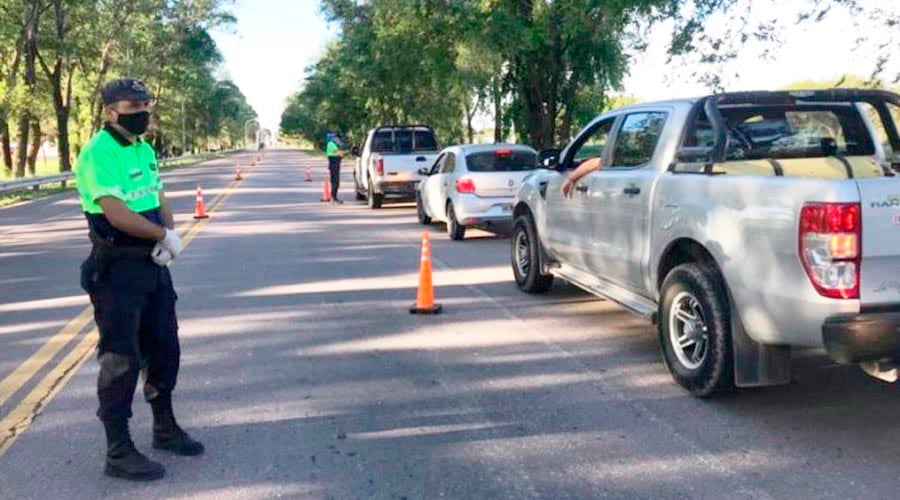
point(199, 206)
point(237, 172)
point(308, 173)
point(425, 295)
point(326, 191)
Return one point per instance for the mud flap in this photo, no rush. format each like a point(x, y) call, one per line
point(757, 365)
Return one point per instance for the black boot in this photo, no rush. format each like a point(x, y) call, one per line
point(166, 433)
point(123, 460)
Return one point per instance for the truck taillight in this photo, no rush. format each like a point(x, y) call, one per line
point(831, 247)
point(379, 166)
point(465, 186)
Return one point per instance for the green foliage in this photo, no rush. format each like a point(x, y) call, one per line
point(83, 44)
point(541, 68)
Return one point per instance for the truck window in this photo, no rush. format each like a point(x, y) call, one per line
point(425, 140)
point(881, 134)
point(786, 131)
point(383, 141)
point(595, 143)
point(502, 161)
point(403, 140)
point(638, 138)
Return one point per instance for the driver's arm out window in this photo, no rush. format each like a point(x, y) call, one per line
point(595, 144)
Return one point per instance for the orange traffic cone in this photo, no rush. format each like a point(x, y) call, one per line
point(326, 191)
point(425, 296)
point(237, 172)
point(199, 207)
point(308, 174)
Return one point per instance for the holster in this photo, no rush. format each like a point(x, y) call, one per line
point(105, 252)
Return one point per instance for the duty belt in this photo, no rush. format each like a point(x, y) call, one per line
point(107, 250)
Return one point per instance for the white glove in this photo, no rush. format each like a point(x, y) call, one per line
point(161, 257)
point(172, 243)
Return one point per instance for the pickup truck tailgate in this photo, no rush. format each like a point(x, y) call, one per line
point(880, 272)
point(405, 168)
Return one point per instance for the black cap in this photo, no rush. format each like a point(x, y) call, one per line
point(125, 89)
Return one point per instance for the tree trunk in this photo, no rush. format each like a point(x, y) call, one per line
point(25, 118)
point(498, 109)
point(62, 97)
point(470, 133)
point(22, 146)
point(37, 139)
point(97, 103)
point(6, 146)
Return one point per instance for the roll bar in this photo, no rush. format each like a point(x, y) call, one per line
point(710, 104)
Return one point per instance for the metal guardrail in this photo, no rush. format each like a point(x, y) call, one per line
point(63, 179)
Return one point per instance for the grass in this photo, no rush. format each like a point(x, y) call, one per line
point(51, 189)
point(48, 166)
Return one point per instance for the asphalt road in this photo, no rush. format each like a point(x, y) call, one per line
point(305, 376)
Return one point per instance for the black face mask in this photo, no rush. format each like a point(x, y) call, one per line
point(135, 123)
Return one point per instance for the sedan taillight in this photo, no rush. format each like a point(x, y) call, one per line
point(465, 186)
point(379, 166)
point(831, 247)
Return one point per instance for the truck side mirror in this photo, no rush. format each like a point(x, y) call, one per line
point(423, 172)
point(354, 150)
point(549, 158)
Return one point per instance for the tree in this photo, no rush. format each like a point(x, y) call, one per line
point(56, 55)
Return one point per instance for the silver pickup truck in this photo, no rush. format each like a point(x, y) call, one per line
point(743, 224)
point(389, 163)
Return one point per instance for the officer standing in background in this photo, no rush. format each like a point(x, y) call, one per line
point(334, 154)
point(127, 278)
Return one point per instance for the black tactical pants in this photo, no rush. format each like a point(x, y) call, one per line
point(134, 307)
point(334, 168)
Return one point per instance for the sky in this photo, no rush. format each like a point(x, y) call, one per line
point(268, 49)
point(273, 41)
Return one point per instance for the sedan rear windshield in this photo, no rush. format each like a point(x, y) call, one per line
point(502, 161)
point(403, 140)
point(787, 131)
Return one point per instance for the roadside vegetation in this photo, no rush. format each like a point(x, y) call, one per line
point(539, 69)
point(56, 55)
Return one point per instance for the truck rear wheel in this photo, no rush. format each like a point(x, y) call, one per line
point(695, 330)
point(373, 199)
point(526, 258)
point(360, 195)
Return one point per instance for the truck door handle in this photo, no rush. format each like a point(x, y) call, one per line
point(420, 158)
point(581, 188)
point(543, 188)
point(632, 190)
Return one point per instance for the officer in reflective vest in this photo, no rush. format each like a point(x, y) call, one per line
point(128, 281)
point(334, 154)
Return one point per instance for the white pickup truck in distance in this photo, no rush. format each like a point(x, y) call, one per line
point(742, 224)
point(389, 163)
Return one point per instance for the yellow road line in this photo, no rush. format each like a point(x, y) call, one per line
point(24, 372)
point(20, 417)
point(15, 423)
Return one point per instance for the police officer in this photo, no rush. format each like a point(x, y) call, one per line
point(334, 154)
point(133, 236)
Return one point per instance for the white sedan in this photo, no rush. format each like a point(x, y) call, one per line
point(474, 186)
